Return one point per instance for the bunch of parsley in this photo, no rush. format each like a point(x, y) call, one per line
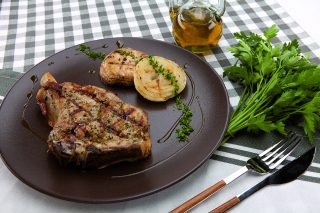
point(278, 83)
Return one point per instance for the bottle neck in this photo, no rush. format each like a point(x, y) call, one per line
point(218, 8)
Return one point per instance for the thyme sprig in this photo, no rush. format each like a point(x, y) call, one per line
point(168, 75)
point(128, 53)
point(185, 122)
point(185, 129)
point(131, 54)
point(93, 55)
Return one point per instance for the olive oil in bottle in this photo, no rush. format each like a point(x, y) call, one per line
point(173, 12)
point(197, 29)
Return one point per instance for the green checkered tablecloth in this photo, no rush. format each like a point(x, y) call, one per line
point(30, 31)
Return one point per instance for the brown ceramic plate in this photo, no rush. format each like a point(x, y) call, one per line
point(24, 150)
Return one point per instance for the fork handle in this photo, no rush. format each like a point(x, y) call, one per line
point(200, 197)
point(209, 191)
point(227, 205)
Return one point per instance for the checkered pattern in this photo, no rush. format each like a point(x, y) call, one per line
point(30, 31)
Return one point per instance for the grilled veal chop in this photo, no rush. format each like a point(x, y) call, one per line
point(92, 127)
point(118, 66)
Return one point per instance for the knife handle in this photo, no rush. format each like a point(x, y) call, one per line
point(227, 205)
point(200, 197)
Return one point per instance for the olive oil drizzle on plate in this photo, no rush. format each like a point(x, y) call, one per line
point(168, 134)
point(24, 122)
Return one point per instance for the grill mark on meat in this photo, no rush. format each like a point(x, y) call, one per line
point(125, 117)
point(78, 126)
point(128, 112)
point(122, 115)
point(158, 84)
point(109, 128)
point(131, 64)
point(113, 131)
point(140, 123)
point(111, 121)
point(76, 111)
point(118, 119)
point(54, 86)
point(80, 108)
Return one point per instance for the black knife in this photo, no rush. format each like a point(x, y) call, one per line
point(286, 174)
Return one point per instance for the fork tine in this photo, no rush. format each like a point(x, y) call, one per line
point(277, 146)
point(287, 143)
point(286, 154)
point(286, 149)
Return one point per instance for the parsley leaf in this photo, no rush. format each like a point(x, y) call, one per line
point(311, 116)
point(271, 32)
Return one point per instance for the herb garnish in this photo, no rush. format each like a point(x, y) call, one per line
point(279, 82)
point(131, 54)
point(185, 128)
point(93, 55)
point(168, 75)
point(128, 53)
point(185, 122)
